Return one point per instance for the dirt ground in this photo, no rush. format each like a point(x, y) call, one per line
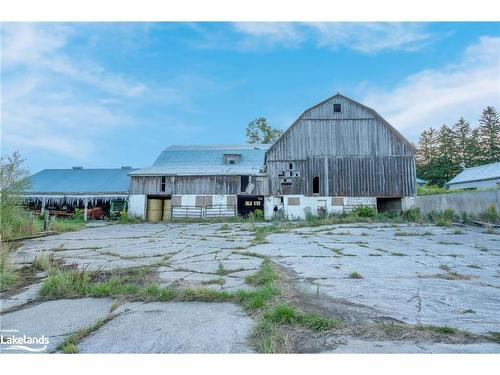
point(382, 280)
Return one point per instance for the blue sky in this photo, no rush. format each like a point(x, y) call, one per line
point(112, 94)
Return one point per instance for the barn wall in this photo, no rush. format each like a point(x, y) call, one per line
point(353, 152)
point(381, 176)
point(221, 185)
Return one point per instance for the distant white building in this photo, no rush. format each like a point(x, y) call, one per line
point(482, 177)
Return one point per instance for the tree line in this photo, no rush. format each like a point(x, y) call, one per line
point(443, 153)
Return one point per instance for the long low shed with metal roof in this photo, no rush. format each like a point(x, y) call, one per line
point(76, 187)
point(481, 177)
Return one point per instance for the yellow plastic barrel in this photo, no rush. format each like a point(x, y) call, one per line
point(155, 210)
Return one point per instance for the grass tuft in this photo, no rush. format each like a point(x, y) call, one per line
point(70, 343)
point(265, 275)
point(9, 276)
point(355, 275)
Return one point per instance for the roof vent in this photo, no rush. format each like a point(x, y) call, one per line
point(78, 167)
point(126, 167)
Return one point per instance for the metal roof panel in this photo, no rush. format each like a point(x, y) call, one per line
point(80, 181)
point(482, 172)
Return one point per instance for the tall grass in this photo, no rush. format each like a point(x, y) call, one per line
point(9, 276)
point(15, 221)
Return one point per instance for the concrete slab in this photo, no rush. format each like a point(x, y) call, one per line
point(23, 297)
point(53, 319)
point(352, 346)
point(180, 327)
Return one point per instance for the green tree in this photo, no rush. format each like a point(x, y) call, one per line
point(462, 136)
point(489, 135)
point(258, 131)
point(448, 165)
point(474, 152)
point(426, 150)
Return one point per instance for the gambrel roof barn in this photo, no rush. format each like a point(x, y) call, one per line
point(340, 147)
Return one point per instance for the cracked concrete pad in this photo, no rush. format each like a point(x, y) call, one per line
point(55, 319)
point(401, 272)
point(24, 296)
point(174, 327)
point(347, 345)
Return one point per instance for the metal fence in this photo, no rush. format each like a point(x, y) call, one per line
point(184, 212)
point(220, 211)
point(198, 212)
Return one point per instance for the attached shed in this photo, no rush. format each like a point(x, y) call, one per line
point(63, 190)
point(343, 150)
point(198, 180)
point(481, 177)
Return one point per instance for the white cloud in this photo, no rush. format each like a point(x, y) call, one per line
point(41, 47)
point(364, 37)
point(371, 37)
point(259, 34)
point(440, 96)
point(51, 100)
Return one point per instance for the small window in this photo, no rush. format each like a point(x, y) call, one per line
point(290, 166)
point(244, 183)
point(163, 183)
point(337, 108)
point(231, 158)
point(315, 185)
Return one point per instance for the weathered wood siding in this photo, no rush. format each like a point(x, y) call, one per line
point(215, 185)
point(353, 152)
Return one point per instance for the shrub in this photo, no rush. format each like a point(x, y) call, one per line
point(413, 214)
point(259, 215)
point(78, 215)
point(364, 211)
point(465, 218)
point(490, 214)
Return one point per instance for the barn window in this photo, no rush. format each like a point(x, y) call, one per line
point(244, 183)
point(163, 183)
point(231, 158)
point(337, 108)
point(290, 166)
point(315, 185)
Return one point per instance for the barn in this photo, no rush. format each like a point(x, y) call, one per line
point(337, 155)
point(193, 181)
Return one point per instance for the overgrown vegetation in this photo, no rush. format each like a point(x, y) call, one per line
point(9, 276)
point(69, 345)
point(283, 313)
point(134, 284)
point(15, 221)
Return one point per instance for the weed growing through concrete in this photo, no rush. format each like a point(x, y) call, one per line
point(355, 275)
point(70, 343)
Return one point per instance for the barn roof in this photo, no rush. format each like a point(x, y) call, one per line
point(206, 160)
point(391, 128)
point(482, 172)
point(79, 181)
